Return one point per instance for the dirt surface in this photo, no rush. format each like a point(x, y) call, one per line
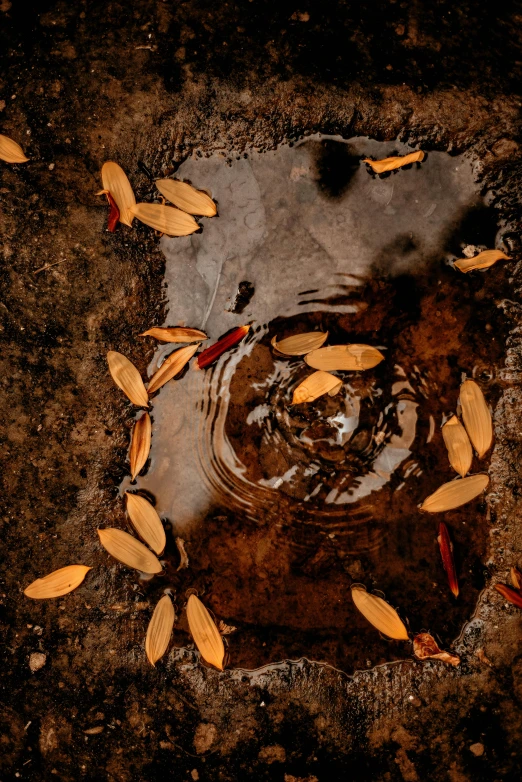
point(149, 85)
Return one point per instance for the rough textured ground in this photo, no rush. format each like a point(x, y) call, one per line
point(148, 83)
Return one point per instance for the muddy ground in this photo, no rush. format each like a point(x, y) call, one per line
point(147, 84)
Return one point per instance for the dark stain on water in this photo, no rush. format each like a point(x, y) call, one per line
point(282, 508)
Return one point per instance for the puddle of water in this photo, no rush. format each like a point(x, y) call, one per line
point(281, 507)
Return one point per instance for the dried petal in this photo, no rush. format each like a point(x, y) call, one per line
point(483, 260)
point(335, 390)
point(115, 180)
point(140, 444)
point(300, 344)
point(458, 445)
point(166, 219)
point(205, 633)
point(476, 415)
point(159, 630)
point(127, 377)
point(145, 520)
point(344, 357)
point(425, 647)
point(510, 594)
point(379, 613)
point(10, 151)
point(172, 365)
point(114, 212)
point(315, 386)
point(455, 493)
point(390, 163)
point(58, 583)
point(516, 578)
point(211, 354)
point(446, 552)
point(186, 197)
point(176, 335)
point(184, 560)
point(128, 550)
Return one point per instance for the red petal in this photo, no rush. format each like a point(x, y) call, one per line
point(212, 353)
point(114, 213)
point(446, 551)
point(510, 594)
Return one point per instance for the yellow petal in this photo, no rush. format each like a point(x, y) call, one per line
point(186, 197)
point(459, 447)
point(166, 219)
point(127, 377)
point(390, 163)
point(476, 415)
point(115, 180)
point(456, 493)
point(183, 556)
point(58, 583)
point(379, 613)
point(140, 444)
point(483, 260)
point(315, 386)
point(172, 365)
point(159, 630)
point(205, 633)
point(344, 357)
point(516, 578)
point(176, 335)
point(145, 520)
point(128, 550)
point(300, 344)
point(10, 151)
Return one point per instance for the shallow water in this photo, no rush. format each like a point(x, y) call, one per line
point(282, 508)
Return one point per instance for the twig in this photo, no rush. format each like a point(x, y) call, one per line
point(49, 266)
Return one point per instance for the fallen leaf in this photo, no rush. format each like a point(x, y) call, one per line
point(512, 595)
point(300, 344)
point(315, 386)
point(205, 633)
point(165, 219)
point(211, 354)
point(140, 444)
point(10, 151)
point(516, 578)
point(186, 197)
point(145, 520)
point(476, 415)
point(446, 552)
point(390, 163)
point(172, 365)
point(128, 550)
point(58, 583)
point(459, 447)
point(175, 335)
point(159, 630)
point(483, 260)
point(344, 357)
point(184, 560)
point(114, 179)
point(114, 212)
point(127, 377)
point(455, 493)
point(379, 613)
point(425, 647)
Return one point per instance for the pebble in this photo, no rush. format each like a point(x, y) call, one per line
point(477, 749)
point(36, 661)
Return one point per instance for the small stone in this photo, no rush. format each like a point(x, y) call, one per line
point(477, 749)
point(51, 166)
point(94, 731)
point(194, 774)
point(37, 661)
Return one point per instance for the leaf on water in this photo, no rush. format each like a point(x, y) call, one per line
point(390, 163)
point(186, 197)
point(516, 578)
point(58, 583)
point(128, 550)
point(315, 386)
point(425, 647)
point(145, 520)
point(476, 415)
point(114, 179)
point(446, 552)
point(512, 595)
point(184, 560)
point(459, 447)
point(176, 334)
point(10, 151)
point(344, 357)
point(140, 444)
point(172, 365)
point(300, 344)
point(483, 260)
point(211, 354)
point(379, 613)
point(205, 633)
point(165, 219)
point(455, 493)
point(159, 630)
point(127, 377)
